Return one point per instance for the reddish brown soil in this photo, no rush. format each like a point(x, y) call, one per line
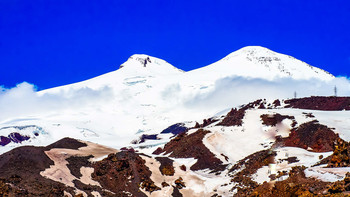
point(176, 192)
point(191, 146)
point(254, 104)
point(124, 171)
point(309, 115)
point(296, 185)
point(179, 183)
point(158, 151)
point(341, 155)
point(244, 168)
point(233, 118)
point(314, 135)
point(291, 160)
point(183, 167)
point(22, 166)
point(166, 166)
point(20, 171)
point(68, 143)
point(75, 163)
point(7, 189)
point(206, 122)
point(89, 188)
point(342, 186)
point(320, 103)
point(273, 120)
point(276, 103)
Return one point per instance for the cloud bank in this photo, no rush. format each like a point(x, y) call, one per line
point(233, 91)
point(24, 100)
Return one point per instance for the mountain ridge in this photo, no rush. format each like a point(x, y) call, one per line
point(249, 62)
point(278, 148)
point(145, 96)
point(261, 62)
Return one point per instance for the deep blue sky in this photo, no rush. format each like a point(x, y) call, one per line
point(56, 42)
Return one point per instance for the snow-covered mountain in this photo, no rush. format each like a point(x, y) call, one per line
point(150, 129)
point(260, 62)
point(295, 147)
point(147, 94)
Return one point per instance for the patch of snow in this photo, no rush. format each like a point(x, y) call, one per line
point(327, 174)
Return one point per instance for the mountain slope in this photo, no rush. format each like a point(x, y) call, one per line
point(260, 62)
point(285, 147)
point(146, 95)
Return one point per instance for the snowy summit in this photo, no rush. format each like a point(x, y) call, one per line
point(260, 62)
point(150, 129)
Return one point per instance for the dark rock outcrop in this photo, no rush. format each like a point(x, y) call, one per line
point(4, 140)
point(191, 146)
point(274, 119)
point(312, 135)
point(241, 172)
point(175, 129)
point(206, 122)
point(20, 171)
point(295, 185)
point(68, 143)
point(166, 166)
point(320, 103)
point(233, 118)
point(25, 164)
point(75, 163)
point(341, 155)
point(13, 137)
point(124, 172)
point(145, 137)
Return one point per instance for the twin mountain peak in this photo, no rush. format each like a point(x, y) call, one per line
point(250, 61)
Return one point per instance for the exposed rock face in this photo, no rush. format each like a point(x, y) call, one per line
point(175, 129)
point(233, 118)
point(166, 166)
point(21, 171)
point(124, 172)
point(145, 137)
point(4, 140)
point(341, 155)
point(296, 185)
point(7, 189)
point(241, 172)
point(276, 103)
point(206, 122)
point(312, 135)
point(320, 103)
point(22, 166)
point(129, 172)
point(340, 187)
point(13, 137)
point(176, 192)
point(179, 183)
point(273, 120)
point(191, 146)
point(75, 164)
point(67, 143)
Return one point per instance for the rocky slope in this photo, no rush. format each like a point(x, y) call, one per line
point(279, 148)
point(147, 94)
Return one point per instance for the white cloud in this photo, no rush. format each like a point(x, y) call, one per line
point(234, 91)
point(24, 100)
